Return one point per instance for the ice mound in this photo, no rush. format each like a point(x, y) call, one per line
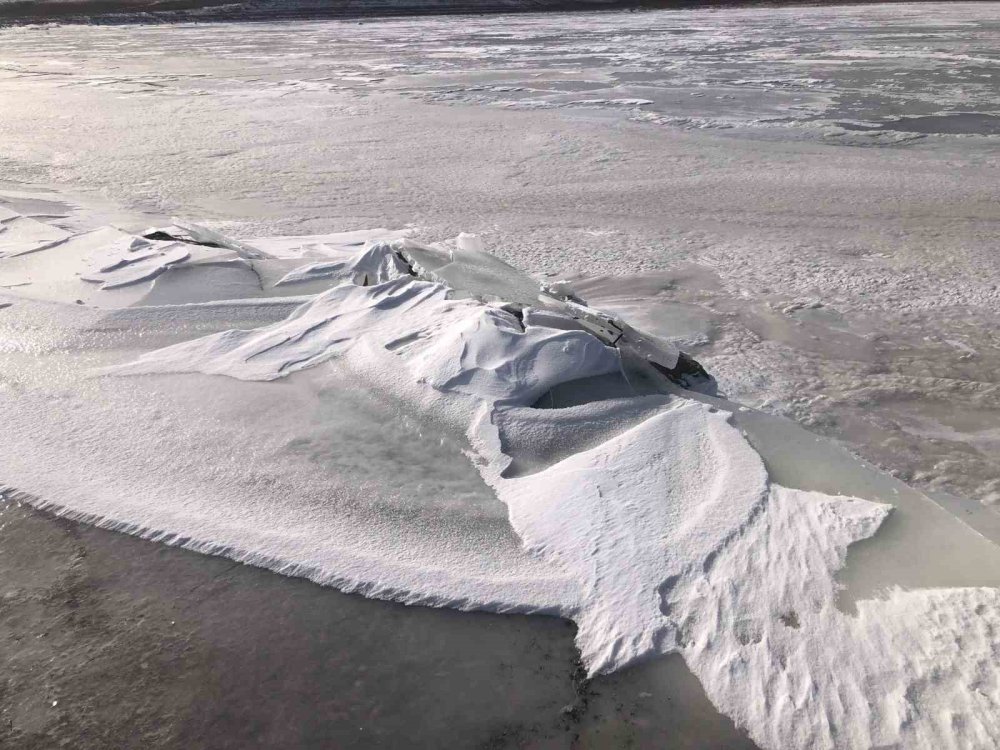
point(639, 510)
point(455, 346)
point(108, 267)
point(476, 363)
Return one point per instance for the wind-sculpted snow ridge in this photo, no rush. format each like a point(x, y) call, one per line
point(917, 669)
point(640, 511)
point(670, 530)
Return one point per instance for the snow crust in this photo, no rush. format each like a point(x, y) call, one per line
point(669, 529)
point(643, 515)
point(133, 260)
point(917, 669)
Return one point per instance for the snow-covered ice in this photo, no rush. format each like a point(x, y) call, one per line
point(802, 199)
point(638, 508)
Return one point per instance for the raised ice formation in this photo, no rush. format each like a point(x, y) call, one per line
point(659, 513)
point(644, 514)
point(132, 260)
point(372, 265)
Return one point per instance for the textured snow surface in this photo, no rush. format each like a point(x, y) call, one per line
point(642, 514)
point(669, 530)
point(760, 629)
point(808, 205)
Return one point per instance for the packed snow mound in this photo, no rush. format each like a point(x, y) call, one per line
point(475, 362)
point(455, 346)
point(634, 516)
point(636, 509)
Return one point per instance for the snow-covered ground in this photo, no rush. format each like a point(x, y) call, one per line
point(426, 424)
point(804, 200)
point(846, 278)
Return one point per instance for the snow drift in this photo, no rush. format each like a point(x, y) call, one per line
point(639, 510)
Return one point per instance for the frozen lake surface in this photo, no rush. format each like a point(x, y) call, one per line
point(805, 200)
point(798, 157)
point(926, 69)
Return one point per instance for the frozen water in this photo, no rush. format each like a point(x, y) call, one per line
point(853, 289)
point(399, 451)
point(906, 69)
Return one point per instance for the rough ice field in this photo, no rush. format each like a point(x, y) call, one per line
point(812, 191)
point(877, 76)
point(804, 199)
point(394, 427)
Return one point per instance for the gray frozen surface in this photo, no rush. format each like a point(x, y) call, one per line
point(804, 199)
point(109, 641)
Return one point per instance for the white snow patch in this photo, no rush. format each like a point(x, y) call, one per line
point(134, 261)
point(761, 630)
point(662, 535)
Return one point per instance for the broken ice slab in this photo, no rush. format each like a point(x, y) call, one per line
point(125, 251)
point(20, 235)
point(465, 267)
point(470, 271)
point(144, 265)
point(195, 234)
point(372, 265)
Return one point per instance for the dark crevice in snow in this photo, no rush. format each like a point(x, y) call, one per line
point(687, 373)
point(163, 236)
point(406, 262)
point(663, 591)
point(517, 312)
